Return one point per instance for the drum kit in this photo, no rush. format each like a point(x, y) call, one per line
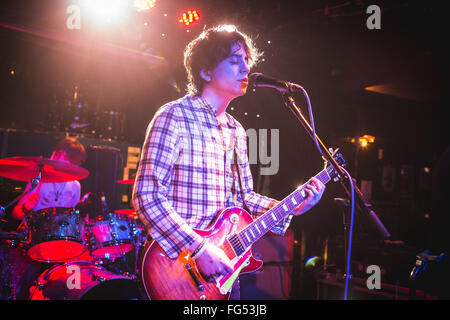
point(63, 253)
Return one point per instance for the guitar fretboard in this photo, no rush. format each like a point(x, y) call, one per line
point(260, 226)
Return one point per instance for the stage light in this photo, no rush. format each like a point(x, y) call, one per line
point(365, 140)
point(189, 17)
point(106, 11)
point(363, 143)
point(144, 5)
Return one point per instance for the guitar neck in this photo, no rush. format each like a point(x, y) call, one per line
point(272, 217)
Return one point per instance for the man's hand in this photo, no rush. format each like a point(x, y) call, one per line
point(314, 188)
point(31, 201)
point(213, 262)
point(26, 204)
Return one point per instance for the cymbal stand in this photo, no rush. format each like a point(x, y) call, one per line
point(34, 183)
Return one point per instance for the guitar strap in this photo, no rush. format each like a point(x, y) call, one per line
point(236, 166)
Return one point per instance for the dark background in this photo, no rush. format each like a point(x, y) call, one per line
point(323, 45)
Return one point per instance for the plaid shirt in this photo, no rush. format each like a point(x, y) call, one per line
point(185, 176)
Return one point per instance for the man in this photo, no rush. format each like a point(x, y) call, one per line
point(49, 194)
point(187, 171)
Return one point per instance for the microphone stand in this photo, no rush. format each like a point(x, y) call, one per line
point(361, 203)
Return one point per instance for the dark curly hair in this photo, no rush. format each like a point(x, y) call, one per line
point(210, 48)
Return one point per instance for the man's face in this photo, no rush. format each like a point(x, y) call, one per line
point(229, 78)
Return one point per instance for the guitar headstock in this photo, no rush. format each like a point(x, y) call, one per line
point(339, 158)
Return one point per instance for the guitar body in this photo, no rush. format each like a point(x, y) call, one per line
point(234, 231)
point(179, 279)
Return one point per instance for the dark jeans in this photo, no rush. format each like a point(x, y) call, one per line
point(235, 291)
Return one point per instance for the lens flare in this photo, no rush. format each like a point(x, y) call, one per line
point(106, 11)
point(143, 5)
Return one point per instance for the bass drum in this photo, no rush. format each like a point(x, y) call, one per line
point(82, 280)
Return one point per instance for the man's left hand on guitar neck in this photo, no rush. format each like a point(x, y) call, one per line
point(314, 188)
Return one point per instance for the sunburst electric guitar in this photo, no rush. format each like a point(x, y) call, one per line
point(234, 231)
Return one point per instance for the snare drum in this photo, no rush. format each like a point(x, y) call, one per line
point(82, 280)
point(112, 236)
point(56, 234)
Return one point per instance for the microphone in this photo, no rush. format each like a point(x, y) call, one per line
point(260, 80)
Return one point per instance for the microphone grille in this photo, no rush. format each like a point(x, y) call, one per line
point(252, 78)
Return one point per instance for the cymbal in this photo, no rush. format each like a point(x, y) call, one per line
point(129, 181)
point(27, 168)
point(129, 212)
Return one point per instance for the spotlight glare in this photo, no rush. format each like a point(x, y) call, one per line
point(106, 11)
point(365, 140)
point(144, 5)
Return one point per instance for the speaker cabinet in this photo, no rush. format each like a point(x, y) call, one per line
point(274, 280)
point(105, 164)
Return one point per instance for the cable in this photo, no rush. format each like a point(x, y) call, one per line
point(350, 237)
point(348, 275)
point(311, 119)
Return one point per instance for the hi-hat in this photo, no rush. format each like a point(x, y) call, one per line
point(27, 168)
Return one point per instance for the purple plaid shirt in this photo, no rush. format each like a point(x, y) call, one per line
point(185, 176)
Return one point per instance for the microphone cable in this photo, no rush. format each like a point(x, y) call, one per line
point(349, 253)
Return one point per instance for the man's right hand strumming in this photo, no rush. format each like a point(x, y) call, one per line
point(213, 262)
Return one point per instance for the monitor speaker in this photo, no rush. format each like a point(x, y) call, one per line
point(104, 164)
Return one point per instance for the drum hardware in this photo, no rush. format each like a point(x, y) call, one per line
point(100, 271)
point(15, 237)
point(56, 235)
point(14, 168)
point(98, 278)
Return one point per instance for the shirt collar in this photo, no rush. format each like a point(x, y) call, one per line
point(200, 102)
